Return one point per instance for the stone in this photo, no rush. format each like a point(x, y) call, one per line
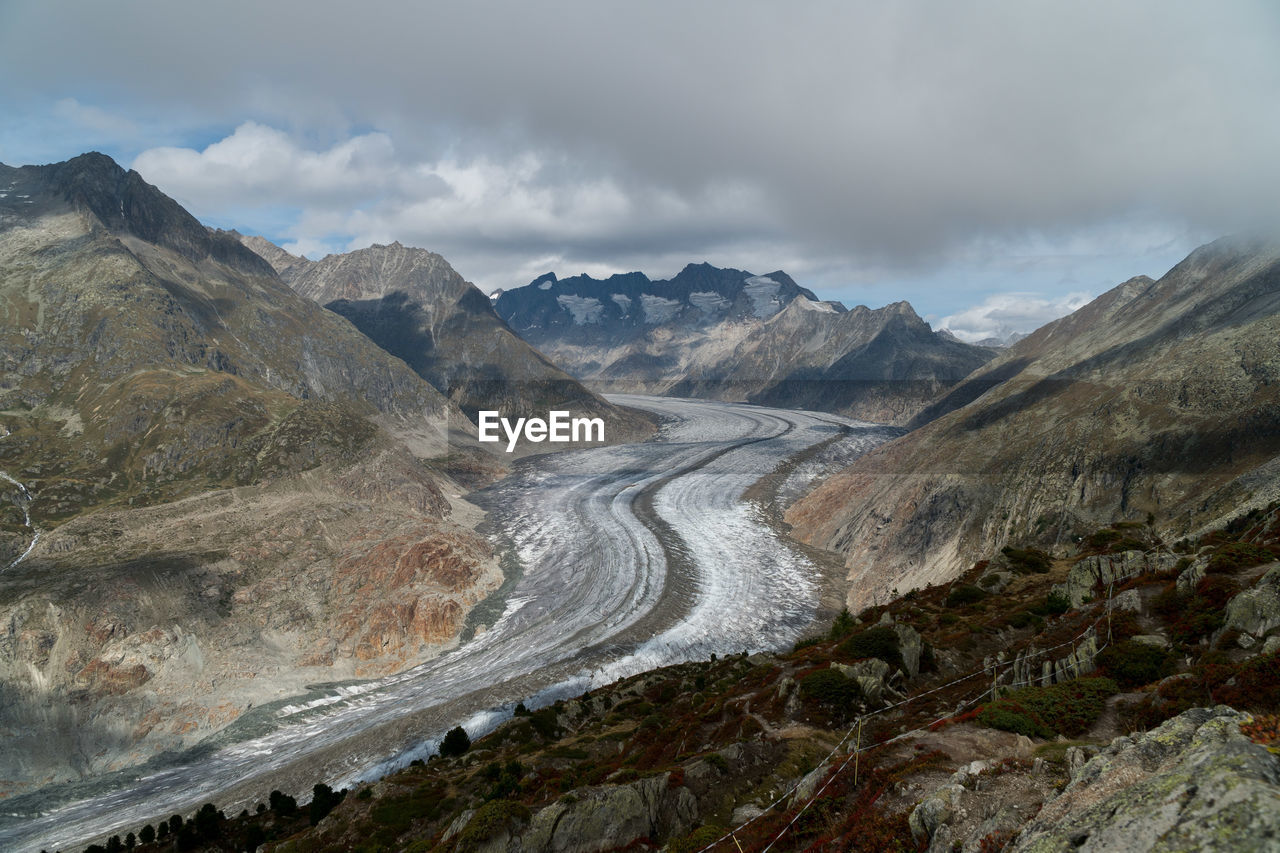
point(1129, 600)
point(1256, 611)
point(911, 646)
point(1194, 783)
point(607, 817)
point(871, 675)
point(935, 810)
point(1192, 575)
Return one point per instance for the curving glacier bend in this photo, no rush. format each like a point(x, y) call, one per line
point(630, 557)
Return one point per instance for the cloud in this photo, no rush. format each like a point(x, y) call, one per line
point(1001, 314)
point(487, 215)
point(859, 135)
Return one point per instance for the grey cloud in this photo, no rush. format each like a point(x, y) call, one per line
point(889, 133)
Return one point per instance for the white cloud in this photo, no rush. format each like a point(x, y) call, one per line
point(493, 218)
point(95, 119)
point(1000, 314)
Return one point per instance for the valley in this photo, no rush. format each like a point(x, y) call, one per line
point(620, 559)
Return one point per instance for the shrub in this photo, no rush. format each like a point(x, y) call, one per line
point(1056, 709)
point(1133, 664)
point(965, 593)
point(1239, 555)
point(1103, 538)
point(544, 722)
point(456, 742)
point(488, 820)
point(832, 689)
point(281, 803)
point(323, 800)
point(843, 624)
point(1200, 613)
point(1263, 729)
point(697, 840)
point(878, 642)
point(1055, 604)
point(1027, 560)
point(802, 643)
point(1255, 687)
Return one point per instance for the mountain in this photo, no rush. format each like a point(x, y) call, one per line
point(730, 335)
point(880, 365)
point(215, 491)
point(415, 306)
point(1159, 399)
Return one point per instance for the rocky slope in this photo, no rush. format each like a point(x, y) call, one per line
point(414, 305)
point(1159, 397)
point(987, 715)
point(730, 335)
point(233, 488)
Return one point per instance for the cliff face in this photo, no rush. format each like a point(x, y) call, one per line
point(415, 306)
point(233, 487)
point(1159, 397)
point(730, 335)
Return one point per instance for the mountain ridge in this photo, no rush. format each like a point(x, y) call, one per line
point(414, 305)
point(1157, 397)
point(730, 335)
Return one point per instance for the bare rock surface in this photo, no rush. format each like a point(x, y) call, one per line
point(1195, 783)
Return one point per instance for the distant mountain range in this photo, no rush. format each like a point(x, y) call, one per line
point(1159, 400)
point(730, 335)
point(415, 306)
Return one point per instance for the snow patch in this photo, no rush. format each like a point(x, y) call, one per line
point(658, 309)
point(763, 293)
point(623, 302)
point(584, 309)
point(820, 307)
point(708, 301)
point(546, 285)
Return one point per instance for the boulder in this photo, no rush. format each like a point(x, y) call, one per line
point(933, 811)
point(1192, 575)
point(1256, 611)
point(871, 675)
point(608, 817)
point(1128, 600)
point(911, 646)
point(1194, 783)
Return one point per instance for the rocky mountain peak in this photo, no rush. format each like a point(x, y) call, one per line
point(126, 204)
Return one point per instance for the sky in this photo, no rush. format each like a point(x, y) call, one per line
point(996, 164)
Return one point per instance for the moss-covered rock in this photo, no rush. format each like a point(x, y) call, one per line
point(1195, 783)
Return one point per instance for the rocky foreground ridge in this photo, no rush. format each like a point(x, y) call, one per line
point(1159, 398)
point(235, 492)
point(992, 713)
point(726, 334)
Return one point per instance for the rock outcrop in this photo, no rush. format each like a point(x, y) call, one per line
point(1195, 783)
point(1255, 613)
